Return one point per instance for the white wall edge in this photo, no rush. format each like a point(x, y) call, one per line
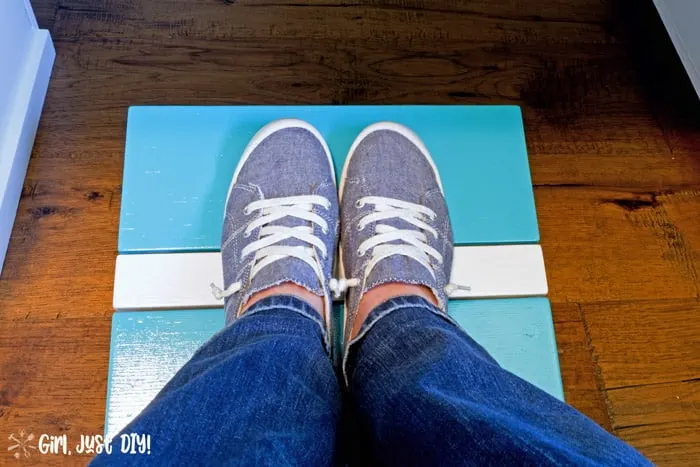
point(18, 138)
point(30, 14)
point(181, 280)
point(681, 27)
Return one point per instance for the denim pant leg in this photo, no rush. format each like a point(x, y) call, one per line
point(262, 391)
point(425, 393)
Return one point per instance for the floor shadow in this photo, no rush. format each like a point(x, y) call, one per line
point(665, 83)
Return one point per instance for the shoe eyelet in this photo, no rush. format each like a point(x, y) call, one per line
point(360, 254)
point(359, 204)
point(246, 211)
point(360, 227)
point(246, 234)
point(325, 231)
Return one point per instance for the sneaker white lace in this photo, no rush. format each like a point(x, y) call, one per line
point(384, 243)
point(265, 249)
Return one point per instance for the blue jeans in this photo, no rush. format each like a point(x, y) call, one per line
point(263, 391)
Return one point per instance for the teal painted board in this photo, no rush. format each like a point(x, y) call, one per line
point(518, 333)
point(179, 162)
point(148, 348)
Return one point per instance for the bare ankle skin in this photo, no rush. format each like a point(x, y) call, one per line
point(287, 288)
point(381, 293)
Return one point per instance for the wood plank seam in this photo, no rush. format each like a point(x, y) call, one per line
point(600, 383)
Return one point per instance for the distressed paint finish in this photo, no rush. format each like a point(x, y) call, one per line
point(149, 347)
point(146, 350)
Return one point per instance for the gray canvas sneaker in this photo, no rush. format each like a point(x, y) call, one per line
point(281, 216)
point(395, 224)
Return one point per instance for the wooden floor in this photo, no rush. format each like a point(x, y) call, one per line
point(613, 133)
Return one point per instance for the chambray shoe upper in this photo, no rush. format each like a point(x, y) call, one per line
point(395, 224)
point(281, 218)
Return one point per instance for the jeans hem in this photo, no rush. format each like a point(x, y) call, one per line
point(296, 305)
point(391, 305)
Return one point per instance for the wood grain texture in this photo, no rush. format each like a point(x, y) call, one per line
point(662, 420)
point(636, 343)
point(52, 379)
point(649, 361)
point(605, 244)
point(45, 11)
point(613, 132)
point(580, 376)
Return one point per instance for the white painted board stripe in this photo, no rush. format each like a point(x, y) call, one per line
point(181, 280)
point(499, 271)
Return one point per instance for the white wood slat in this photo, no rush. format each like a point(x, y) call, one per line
point(181, 280)
point(499, 271)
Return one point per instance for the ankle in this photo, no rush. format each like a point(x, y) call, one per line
point(381, 293)
point(287, 288)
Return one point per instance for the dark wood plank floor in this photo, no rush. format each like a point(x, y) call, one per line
point(613, 131)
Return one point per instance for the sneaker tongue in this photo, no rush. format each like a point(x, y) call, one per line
point(291, 222)
point(288, 269)
point(400, 268)
point(399, 224)
point(296, 222)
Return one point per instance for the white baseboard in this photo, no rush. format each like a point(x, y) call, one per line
point(17, 139)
